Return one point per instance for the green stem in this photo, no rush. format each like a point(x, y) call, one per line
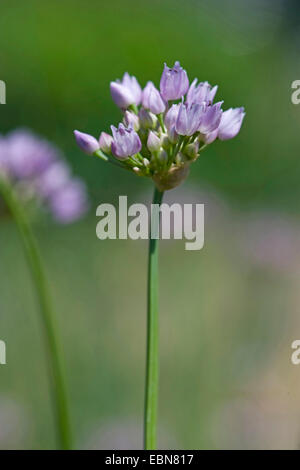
point(151, 395)
point(53, 351)
point(161, 122)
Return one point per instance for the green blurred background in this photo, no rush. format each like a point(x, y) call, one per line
point(228, 312)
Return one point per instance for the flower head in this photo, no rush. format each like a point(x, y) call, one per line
point(126, 92)
point(36, 169)
point(161, 139)
point(174, 82)
point(126, 142)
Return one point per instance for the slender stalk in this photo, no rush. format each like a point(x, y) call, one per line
point(151, 395)
point(58, 387)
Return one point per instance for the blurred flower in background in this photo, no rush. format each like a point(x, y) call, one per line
point(38, 172)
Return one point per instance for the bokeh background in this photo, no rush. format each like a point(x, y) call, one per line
point(229, 312)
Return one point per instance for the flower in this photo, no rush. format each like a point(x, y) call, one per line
point(131, 120)
point(152, 100)
point(171, 116)
point(36, 169)
point(231, 122)
point(147, 119)
point(189, 118)
point(69, 202)
point(126, 92)
point(105, 141)
point(53, 179)
point(174, 82)
point(159, 139)
point(201, 92)
point(27, 156)
point(126, 142)
point(86, 142)
point(153, 142)
point(211, 118)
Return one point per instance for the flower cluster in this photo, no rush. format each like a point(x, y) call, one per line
point(163, 130)
point(36, 170)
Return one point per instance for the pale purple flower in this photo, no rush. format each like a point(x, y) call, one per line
point(131, 120)
point(201, 92)
point(126, 92)
point(211, 118)
point(126, 142)
point(152, 100)
point(231, 122)
point(174, 82)
point(86, 142)
point(69, 203)
point(105, 141)
point(189, 119)
point(210, 137)
point(147, 119)
point(153, 142)
point(53, 179)
point(28, 156)
point(171, 116)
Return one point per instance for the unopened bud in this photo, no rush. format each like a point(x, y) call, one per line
point(192, 150)
point(153, 142)
point(162, 156)
point(131, 119)
point(86, 142)
point(105, 141)
point(147, 119)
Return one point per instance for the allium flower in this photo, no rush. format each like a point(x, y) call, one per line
point(131, 120)
point(171, 116)
point(126, 92)
point(152, 100)
point(86, 142)
point(231, 123)
point(211, 118)
point(36, 169)
point(27, 157)
point(201, 92)
point(168, 139)
point(105, 141)
point(174, 82)
point(69, 202)
point(153, 142)
point(126, 142)
point(158, 138)
point(189, 119)
point(147, 119)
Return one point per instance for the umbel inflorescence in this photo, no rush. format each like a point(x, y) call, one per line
point(163, 131)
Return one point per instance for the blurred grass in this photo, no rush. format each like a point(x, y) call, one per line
point(221, 319)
